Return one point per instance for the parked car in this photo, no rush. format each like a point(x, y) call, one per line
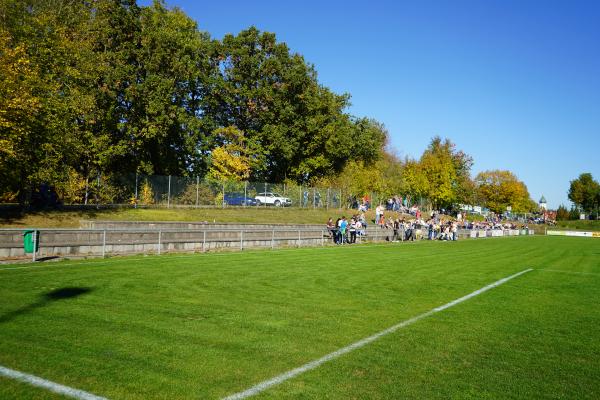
point(238, 199)
point(273, 199)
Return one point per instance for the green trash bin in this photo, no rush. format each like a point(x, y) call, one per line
point(28, 240)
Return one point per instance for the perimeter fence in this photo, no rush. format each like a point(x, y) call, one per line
point(174, 191)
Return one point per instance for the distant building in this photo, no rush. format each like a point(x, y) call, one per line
point(543, 204)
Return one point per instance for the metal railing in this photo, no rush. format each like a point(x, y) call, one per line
point(51, 243)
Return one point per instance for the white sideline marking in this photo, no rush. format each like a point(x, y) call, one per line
point(254, 390)
point(49, 385)
point(570, 272)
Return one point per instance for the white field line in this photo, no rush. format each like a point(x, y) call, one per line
point(48, 385)
point(569, 272)
point(254, 390)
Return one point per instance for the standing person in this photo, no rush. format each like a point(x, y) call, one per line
point(343, 227)
point(381, 221)
point(336, 236)
point(454, 230)
point(352, 230)
point(402, 230)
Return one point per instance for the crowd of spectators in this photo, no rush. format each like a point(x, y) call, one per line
point(439, 226)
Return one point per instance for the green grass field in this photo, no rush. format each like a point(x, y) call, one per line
point(210, 325)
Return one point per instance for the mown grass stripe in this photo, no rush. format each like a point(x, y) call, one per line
point(262, 386)
point(570, 272)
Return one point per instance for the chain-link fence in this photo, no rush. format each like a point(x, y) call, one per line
point(173, 191)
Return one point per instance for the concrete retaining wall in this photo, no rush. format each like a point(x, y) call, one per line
point(162, 238)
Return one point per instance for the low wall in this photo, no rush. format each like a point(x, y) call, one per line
point(163, 238)
point(573, 233)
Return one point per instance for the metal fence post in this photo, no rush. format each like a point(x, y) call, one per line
point(327, 206)
point(241, 240)
point(204, 241)
point(103, 243)
point(322, 237)
point(136, 191)
point(299, 239)
point(159, 238)
point(35, 244)
point(197, 189)
point(273, 239)
point(169, 194)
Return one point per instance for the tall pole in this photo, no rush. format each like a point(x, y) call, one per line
point(136, 190)
point(169, 194)
point(197, 189)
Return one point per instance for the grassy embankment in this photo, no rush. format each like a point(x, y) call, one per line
point(70, 219)
point(12, 218)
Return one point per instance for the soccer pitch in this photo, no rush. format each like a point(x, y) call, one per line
point(209, 326)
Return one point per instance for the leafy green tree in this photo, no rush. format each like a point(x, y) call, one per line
point(51, 67)
point(299, 126)
point(166, 98)
point(584, 192)
point(562, 214)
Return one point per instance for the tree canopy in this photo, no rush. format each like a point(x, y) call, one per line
point(584, 192)
point(499, 189)
point(108, 87)
point(90, 91)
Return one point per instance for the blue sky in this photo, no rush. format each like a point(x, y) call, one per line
point(515, 84)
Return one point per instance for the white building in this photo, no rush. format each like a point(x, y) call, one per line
point(543, 204)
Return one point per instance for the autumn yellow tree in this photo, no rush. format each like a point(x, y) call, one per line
point(414, 182)
point(19, 107)
point(437, 165)
point(231, 160)
point(499, 189)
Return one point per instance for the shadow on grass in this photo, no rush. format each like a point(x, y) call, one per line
point(45, 300)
